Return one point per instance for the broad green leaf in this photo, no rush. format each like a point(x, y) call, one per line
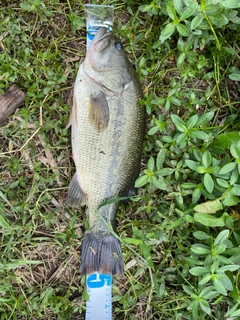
point(132, 241)
point(214, 169)
point(196, 195)
point(197, 134)
point(207, 159)
point(200, 249)
point(213, 9)
point(234, 70)
point(205, 291)
point(183, 30)
point(181, 58)
point(204, 305)
point(218, 249)
point(219, 286)
point(181, 138)
point(201, 169)
point(158, 183)
point(225, 280)
point(165, 171)
point(236, 190)
point(198, 271)
point(160, 158)
point(205, 118)
point(175, 101)
point(229, 268)
point(222, 183)
point(211, 294)
point(194, 307)
point(193, 165)
point(208, 182)
point(209, 206)
point(196, 21)
point(147, 255)
point(153, 130)
point(178, 6)
point(235, 150)
point(190, 10)
point(192, 121)
point(200, 235)
point(231, 4)
point(177, 121)
point(227, 168)
point(167, 32)
point(219, 20)
point(161, 183)
point(234, 177)
point(210, 221)
point(188, 290)
point(151, 164)
point(170, 10)
point(141, 181)
point(182, 128)
point(234, 76)
point(222, 236)
point(205, 279)
point(188, 185)
point(167, 139)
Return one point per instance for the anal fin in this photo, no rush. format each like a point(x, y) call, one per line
point(76, 196)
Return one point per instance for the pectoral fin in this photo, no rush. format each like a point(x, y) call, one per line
point(76, 196)
point(98, 111)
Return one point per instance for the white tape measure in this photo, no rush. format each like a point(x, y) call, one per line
point(99, 289)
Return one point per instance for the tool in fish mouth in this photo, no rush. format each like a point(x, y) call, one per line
point(101, 39)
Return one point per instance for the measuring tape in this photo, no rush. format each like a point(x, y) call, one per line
point(99, 289)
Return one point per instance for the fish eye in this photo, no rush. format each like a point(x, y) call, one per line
point(118, 46)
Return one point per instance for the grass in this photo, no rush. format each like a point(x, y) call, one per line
point(181, 235)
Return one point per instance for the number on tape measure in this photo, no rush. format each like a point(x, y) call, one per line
point(99, 305)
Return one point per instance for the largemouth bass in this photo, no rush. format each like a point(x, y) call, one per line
point(107, 135)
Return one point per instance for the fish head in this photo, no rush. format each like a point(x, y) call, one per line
point(106, 62)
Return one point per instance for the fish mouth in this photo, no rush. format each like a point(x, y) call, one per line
point(102, 39)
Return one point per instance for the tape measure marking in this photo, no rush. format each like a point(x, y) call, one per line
point(99, 289)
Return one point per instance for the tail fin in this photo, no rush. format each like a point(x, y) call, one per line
point(101, 253)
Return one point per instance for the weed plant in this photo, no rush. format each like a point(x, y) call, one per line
point(181, 234)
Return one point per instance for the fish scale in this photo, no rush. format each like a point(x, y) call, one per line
point(108, 126)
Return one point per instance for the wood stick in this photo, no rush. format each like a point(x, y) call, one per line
point(9, 101)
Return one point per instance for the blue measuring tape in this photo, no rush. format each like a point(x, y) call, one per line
point(99, 289)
